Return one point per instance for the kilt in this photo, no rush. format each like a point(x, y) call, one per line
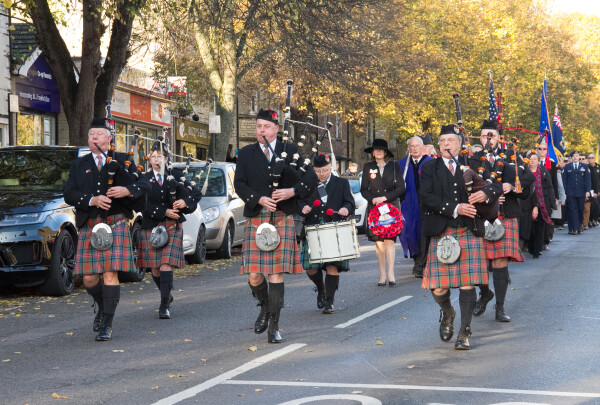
point(171, 253)
point(508, 246)
point(469, 269)
point(118, 258)
point(343, 265)
point(284, 259)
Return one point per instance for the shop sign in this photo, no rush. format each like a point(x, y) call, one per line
point(141, 108)
point(37, 87)
point(194, 132)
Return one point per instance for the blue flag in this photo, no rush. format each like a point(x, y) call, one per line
point(545, 125)
point(493, 110)
point(557, 134)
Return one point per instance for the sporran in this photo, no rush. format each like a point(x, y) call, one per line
point(267, 237)
point(159, 237)
point(448, 249)
point(102, 236)
point(494, 231)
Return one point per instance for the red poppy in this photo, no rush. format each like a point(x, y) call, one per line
point(316, 203)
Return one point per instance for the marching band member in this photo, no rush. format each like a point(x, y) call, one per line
point(263, 203)
point(336, 202)
point(450, 216)
point(413, 243)
point(506, 249)
point(162, 211)
point(95, 202)
point(382, 182)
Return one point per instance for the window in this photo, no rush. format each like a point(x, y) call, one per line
point(35, 129)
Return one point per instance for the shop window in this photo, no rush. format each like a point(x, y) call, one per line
point(33, 129)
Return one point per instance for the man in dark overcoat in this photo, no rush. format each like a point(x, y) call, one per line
point(577, 183)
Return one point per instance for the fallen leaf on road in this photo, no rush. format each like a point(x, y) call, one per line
point(403, 317)
point(55, 395)
point(152, 332)
point(307, 351)
point(50, 316)
point(154, 388)
point(379, 343)
point(187, 340)
point(377, 338)
point(180, 290)
point(204, 360)
point(5, 360)
point(241, 395)
point(299, 379)
point(17, 352)
point(135, 302)
point(131, 292)
point(18, 315)
point(411, 366)
point(5, 340)
point(177, 375)
point(356, 392)
point(252, 348)
point(118, 351)
point(69, 333)
point(258, 390)
point(192, 372)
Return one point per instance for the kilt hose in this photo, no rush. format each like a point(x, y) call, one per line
point(469, 269)
point(171, 253)
point(118, 258)
point(343, 265)
point(284, 259)
point(508, 246)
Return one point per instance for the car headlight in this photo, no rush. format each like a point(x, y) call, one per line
point(210, 214)
point(23, 219)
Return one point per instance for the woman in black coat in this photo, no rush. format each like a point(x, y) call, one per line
point(544, 203)
point(382, 182)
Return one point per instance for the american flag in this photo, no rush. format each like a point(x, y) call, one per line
point(493, 110)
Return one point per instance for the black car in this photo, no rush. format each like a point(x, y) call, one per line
point(38, 237)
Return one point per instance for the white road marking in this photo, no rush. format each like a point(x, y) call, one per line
point(587, 317)
point(373, 312)
point(364, 400)
point(416, 387)
point(190, 392)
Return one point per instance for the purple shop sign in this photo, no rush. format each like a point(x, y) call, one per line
point(39, 99)
point(39, 74)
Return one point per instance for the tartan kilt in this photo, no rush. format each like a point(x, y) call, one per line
point(284, 259)
point(343, 265)
point(171, 253)
point(508, 246)
point(469, 269)
point(118, 258)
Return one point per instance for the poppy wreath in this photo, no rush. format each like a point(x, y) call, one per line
point(388, 228)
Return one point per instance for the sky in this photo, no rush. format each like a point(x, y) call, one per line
point(579, 6)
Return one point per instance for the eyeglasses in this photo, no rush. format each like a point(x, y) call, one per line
point(541, 148)
point(319, 171)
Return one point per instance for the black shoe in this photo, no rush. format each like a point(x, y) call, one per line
point(447, 325)
point(572, 233)
point(98, 321)
point(482, 302)
point(273, 335)
point(321, 299)
point(418, 273)
point(262, 322)
point(462, 341)
point(329, 309)
point(163, 313)
point(104, 334)
point(382, 284)
point(391, 283)
point(500, 314)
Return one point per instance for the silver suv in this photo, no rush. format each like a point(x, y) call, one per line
point(222, 208)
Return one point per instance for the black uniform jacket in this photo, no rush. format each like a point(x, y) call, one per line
point(85, 182)
point(339, 195)
point(159, 199)
point(253, 178)
point(390, 185)
point(511, 208)
point(441, 192)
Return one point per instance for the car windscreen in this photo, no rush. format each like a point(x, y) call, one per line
point(354, 185)
point(35, 169)
point(216, 181)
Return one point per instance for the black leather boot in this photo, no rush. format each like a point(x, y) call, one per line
point(276, 291)
point(331, 285)
point(261, 293)
point(166, 284)
point(482, 302)
point(462, 341)
point(501, 282)
point(317, 279)
point(500, 314)
point(96, 293)
point(157, 282)
point(111, 295)
point(447, 314)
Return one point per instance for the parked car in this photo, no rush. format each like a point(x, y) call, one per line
point(222, 208)
point(361, 204)
point(38, 237)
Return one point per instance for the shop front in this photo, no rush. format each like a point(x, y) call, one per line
point(192, 138)
point(39, 102)
point(147, 113)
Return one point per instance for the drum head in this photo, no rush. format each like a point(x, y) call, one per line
point(448, 250)
point(159, 237)
point(494, 231)
point(267, 237)
point(102, 237)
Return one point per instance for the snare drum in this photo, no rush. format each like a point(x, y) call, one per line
point(332, 242)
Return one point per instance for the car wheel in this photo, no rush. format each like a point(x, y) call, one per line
point(61, 279)
point(224, 251)
point(138, 275)
point(199, 254)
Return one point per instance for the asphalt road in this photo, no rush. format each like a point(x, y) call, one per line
point(380, 347)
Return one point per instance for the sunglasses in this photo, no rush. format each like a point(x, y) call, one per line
point(541, 148)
